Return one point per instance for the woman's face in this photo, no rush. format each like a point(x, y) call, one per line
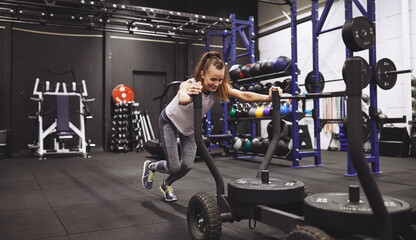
point(211, 79)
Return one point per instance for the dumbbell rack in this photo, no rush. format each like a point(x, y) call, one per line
point(129, 129)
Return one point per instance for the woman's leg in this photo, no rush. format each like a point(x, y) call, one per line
point(188, 153)
point(169, 144)
point(168, 141)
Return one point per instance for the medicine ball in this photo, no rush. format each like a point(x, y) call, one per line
point(278, 84)
point(237, 144)
point(245, 71)
point(266, 66)
point(280, 63)
point(246, 145)
point(242, 88)
point(251, 88)
point(235, 71)
point(258, 87)
point(255, 145)
point(255, 69)
point(264, 145)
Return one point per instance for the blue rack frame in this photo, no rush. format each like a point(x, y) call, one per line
point(317, 24)
point(296, 154)
point(373, 159)
point(229, 40)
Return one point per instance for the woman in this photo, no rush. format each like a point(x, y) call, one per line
point(211, 78)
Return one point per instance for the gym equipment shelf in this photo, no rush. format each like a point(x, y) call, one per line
point(284, 73)
point(317, 24)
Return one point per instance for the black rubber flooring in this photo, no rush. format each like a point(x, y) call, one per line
point(102, 197)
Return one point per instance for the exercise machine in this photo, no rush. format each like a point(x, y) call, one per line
point(62, 127)
point(284, 204)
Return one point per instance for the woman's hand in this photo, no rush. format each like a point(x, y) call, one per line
point(186, 90)
point(194, 88)
point(274, 88)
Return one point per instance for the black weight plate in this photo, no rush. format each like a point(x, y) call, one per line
point(334, 212)
point(365, 70)
point(346, 32)
point(277, 191)
point(384, 81)
point(366, 127)
point(358, 33)
point(310, 83)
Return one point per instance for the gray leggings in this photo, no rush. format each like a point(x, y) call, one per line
point(175, 167)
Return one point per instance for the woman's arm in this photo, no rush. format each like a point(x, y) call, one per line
point(253, 97)
point(186, 89)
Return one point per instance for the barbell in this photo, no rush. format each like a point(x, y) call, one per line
point(385, 73)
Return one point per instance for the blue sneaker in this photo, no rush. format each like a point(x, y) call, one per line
point(167, 192)
point(147, 177)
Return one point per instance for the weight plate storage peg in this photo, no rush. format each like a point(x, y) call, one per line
point(351, 213)
point(358, 34)
point(266, 190)
point(123, 93)
point(384, 80)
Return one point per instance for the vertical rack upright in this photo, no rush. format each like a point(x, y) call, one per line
point(373, 159)
point(317, 24)
point(229, 51)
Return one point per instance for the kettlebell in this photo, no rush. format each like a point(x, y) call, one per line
point(267, 111)
point(252, 111)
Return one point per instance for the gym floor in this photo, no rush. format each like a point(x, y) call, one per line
point(102, 197)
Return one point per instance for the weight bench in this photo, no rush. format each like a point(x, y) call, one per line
point(63, 130)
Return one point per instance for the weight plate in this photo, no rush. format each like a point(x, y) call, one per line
point(366, 127)
point(311, 85)
point(277, 191)
point(123, 93)
point(334, 212)
point(358, 33)
point(365, 71)
point(383, 80)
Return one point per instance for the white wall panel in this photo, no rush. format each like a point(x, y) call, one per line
point(389, 40)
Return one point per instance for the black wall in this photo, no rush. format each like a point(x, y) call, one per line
point(57, 50)
point(103, 59)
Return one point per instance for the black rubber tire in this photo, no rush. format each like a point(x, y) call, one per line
point(203, 217)
point(307, 233)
